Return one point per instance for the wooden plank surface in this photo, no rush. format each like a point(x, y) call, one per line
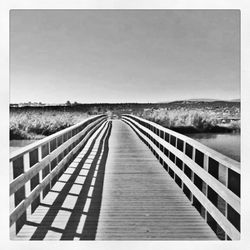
point(226, 194)
point(222, 159)
point(64, 212)
point(115, 189)
point(140, 201)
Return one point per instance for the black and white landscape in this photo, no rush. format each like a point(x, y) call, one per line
point(125, 125)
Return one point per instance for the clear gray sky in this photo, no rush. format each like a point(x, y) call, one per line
point(124, 55)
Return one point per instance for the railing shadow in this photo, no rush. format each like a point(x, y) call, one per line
point(83, 213)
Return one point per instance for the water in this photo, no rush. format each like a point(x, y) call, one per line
point(227, 144)
point(16, 144)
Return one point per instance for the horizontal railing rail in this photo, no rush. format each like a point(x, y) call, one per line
point(209, 179)
point(35, 168)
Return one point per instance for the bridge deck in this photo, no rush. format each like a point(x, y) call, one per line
point(115, 190)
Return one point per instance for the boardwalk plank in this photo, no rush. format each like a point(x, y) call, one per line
point(140, 200)
point(60, 213)
point(115, 190)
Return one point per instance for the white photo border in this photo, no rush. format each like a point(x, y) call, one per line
point(242, 5)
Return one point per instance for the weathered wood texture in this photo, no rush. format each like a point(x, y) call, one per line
point(71, 208)
point(29, 178)
point(115, 189)
point(140, 200)
point(208, 184)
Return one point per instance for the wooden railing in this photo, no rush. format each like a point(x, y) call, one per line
point(209, 179)
point(35, 168)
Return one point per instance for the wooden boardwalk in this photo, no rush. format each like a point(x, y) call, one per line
point(115, 190)
point(140, 200)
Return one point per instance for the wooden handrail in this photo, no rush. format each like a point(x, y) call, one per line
point(146, 130)
point(18, 182)
point(25, 168)
point(15, 154)
point(224, 160)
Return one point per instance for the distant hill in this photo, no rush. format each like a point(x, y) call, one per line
point(203, 100)
point(235, 100)
point(200, 100)
point(212, 100)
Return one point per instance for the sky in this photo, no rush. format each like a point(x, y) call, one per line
point(95, 56)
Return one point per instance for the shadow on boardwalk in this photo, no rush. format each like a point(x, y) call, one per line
point(83, 213)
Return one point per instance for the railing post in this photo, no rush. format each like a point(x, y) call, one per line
point(183, 164)
point(55, 149)
point(40, 172)
point(192, 175)
point(11, 172)
point(204, 185)
point(49, 165)
point(12, 201)
point(26, 165)
point(223, 178)
point(226, 183)
point(175, 145)
point(166, 166)
point(226, 211)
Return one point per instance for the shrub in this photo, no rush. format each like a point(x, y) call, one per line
point(200, 120)
point(35, 125)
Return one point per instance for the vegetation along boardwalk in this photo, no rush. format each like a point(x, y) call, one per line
point(99, 180)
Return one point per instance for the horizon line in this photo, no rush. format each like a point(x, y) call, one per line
point(158, 102)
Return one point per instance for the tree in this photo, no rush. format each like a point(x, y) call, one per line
point(68, 103)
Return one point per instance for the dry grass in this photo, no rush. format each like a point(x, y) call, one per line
point(198, 119)
point(38, 124)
